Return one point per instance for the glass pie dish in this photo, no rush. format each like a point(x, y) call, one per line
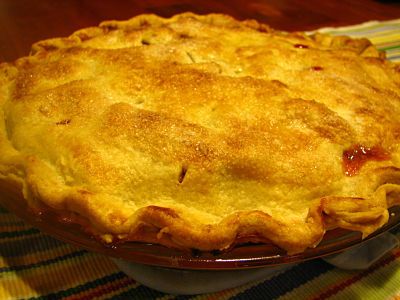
point(240, 256)
point(189, 272)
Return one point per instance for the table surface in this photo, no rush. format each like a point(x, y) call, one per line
point(24, 22)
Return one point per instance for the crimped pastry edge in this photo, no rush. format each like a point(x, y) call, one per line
point(166, 226)
point(362, 46)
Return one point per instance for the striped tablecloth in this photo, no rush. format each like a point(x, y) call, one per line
point(36, 266)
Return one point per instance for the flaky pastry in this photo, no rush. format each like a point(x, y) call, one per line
point(200, 131)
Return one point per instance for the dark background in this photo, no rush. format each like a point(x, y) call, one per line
point(23, 22)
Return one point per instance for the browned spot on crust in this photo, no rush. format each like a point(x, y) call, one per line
point(396, 130)
point(279, 83)
point(317, 68)
point(109, 27)
point(184, 35)
point(175, 139)
point(84, 192)
point(163, 210)
point(301, 46)
point(64, 122)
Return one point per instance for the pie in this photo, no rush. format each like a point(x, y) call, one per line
point(202, 131)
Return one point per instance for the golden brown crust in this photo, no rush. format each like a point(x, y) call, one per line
point(199, 131)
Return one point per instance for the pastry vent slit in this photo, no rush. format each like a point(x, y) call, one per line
point(145, 42)
point(7, 128)
point(182, 174)
point(64, 122)
point(190, 55)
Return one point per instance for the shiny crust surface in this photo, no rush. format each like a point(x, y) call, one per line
point(201, 131)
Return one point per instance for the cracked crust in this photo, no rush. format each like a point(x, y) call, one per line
point(200, 131)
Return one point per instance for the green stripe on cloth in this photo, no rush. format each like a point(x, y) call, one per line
point(3, 210)
point(12, 234)
point(386, 48)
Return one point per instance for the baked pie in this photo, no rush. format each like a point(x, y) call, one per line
point(202, 131)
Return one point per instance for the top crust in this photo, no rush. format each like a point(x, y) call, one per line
point(200, 131)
